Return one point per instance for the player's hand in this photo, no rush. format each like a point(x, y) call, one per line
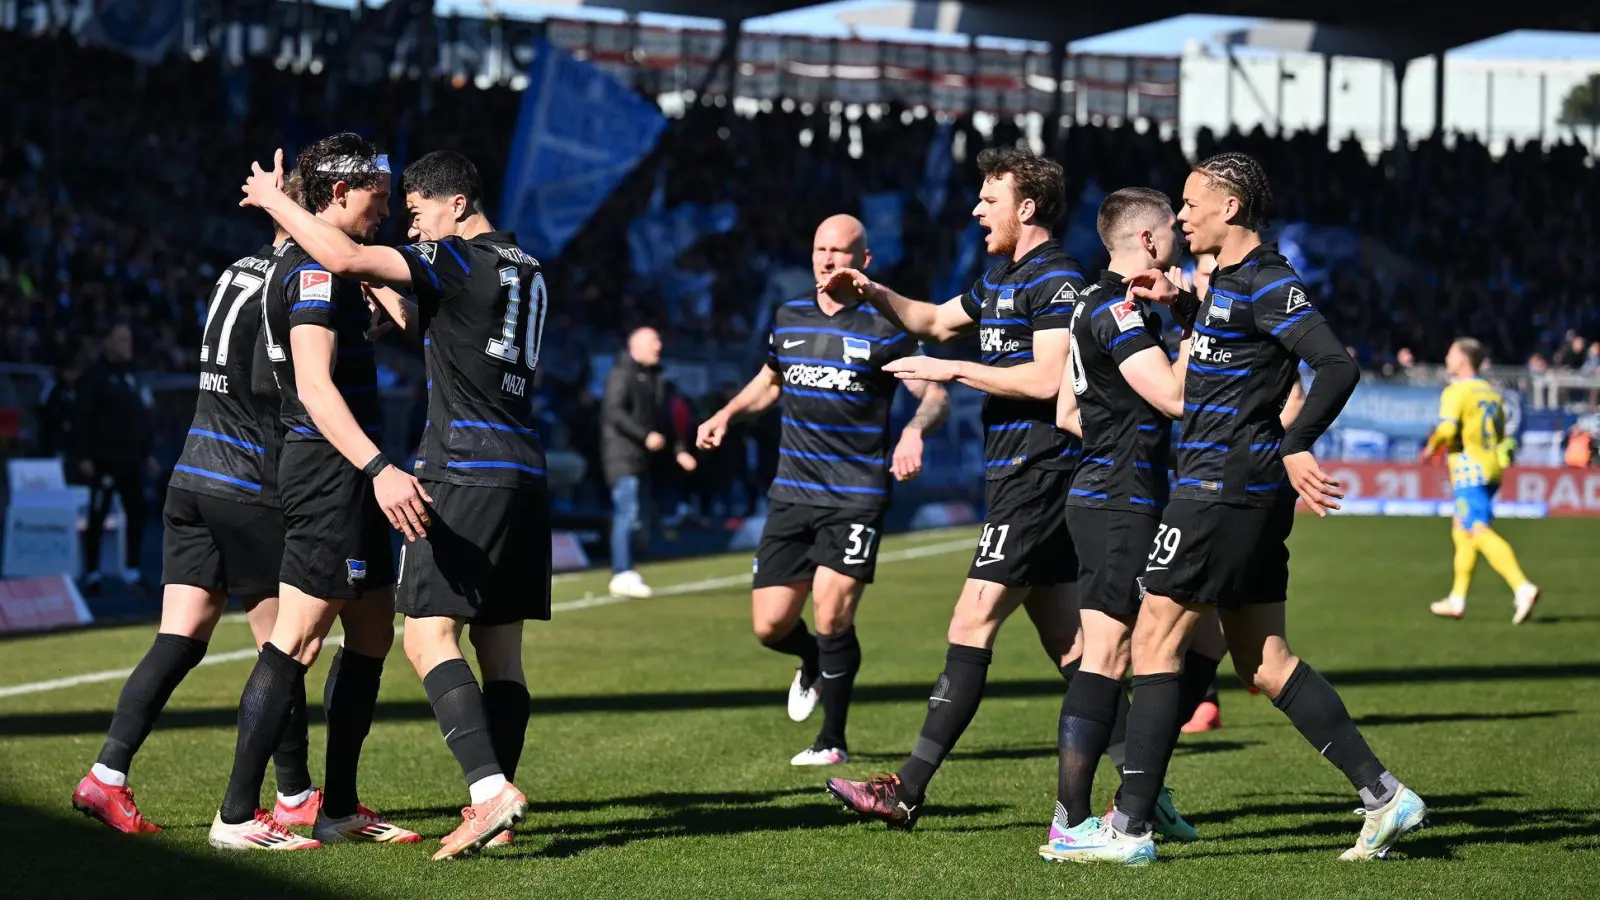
point(1152, 285)
point(1320, 493)
point(263, 185)
point(686, 461)
point(711, 432)
point(403, 501)
point(847, 284)
point(924, 368)
point(379, 324)
point(1177, 276)
point(654, 441)
point(907, 462)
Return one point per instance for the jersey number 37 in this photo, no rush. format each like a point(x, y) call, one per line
point(505, 346)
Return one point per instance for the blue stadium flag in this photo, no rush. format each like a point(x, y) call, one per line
point(884, 217)
point(579, 134)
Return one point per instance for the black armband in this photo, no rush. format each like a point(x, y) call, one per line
point(376, 465)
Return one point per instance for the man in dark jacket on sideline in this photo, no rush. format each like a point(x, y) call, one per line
point(633, 425)
point(111, 440)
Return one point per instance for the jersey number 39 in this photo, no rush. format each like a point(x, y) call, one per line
point(505, 346)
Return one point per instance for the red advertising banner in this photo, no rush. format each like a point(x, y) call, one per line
point(1416, 489)
point(40, 604)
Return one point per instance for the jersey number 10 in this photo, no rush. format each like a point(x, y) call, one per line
point(505, 346)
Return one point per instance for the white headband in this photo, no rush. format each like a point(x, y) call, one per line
point(351, 165)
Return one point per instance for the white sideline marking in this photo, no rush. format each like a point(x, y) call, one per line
point(590, 602)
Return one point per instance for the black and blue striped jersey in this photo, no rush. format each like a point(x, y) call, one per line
point(834, 449)
point(482, 305)
point(303, 292)
point(1010, 302)
point(231, 450)
point(1126, 441)
point(1240, 373)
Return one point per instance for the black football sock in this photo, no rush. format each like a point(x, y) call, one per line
point(289, 760)
point(145, 694)
point(954, 702)
point(1199, 675)
point(1319, 715)
point(1211, 692)
point(458, 705)
point(1153, 724)
point(1087, 714)
point(507, 705)
point(1118, 749)
point(839, 659)
point(348, 699)
point(263, 715)
point(800, 642)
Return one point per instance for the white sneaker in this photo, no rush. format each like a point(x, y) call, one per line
point(1404, 812)
point(630, 584)
point(1449, 607)
point(261, 833)
point(361, 825)
point(1103, 844)
point(802, 698)
point(813, 756)
point(1525, 598)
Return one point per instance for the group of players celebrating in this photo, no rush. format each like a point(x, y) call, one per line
point(281, 497)
point(1121, 555)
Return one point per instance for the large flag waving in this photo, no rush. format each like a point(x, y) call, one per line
point(579, 133)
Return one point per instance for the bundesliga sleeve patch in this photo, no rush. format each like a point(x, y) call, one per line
point(316, 285)
point(1127, 316)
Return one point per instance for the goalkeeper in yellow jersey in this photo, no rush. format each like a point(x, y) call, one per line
point(1472, 429)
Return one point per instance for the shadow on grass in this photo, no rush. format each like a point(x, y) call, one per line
point(1457, 820)
point(1190, 748)
point(64, 856)
point(68, 723)
point(677, 815)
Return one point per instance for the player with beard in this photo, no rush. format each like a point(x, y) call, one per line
point(825, 360)
point(223, 535)
point(1221, 544)
point(337, 507)
point(484, 562)
point(1022, 308)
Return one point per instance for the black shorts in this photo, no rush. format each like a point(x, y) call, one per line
point(336, 538)
point(798, 538)
point(1025, 541)
point(486, 558)
point(1113, 546)
point(221, 545)
point(1221, 555)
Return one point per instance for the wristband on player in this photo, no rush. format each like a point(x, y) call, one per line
point(376, 465)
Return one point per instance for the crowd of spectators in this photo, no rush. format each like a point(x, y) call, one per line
point(118, 185)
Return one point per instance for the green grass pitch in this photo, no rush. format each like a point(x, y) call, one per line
point(657, 758)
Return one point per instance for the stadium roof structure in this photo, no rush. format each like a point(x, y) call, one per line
point(1381, 29)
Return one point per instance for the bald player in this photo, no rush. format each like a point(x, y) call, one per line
point(825, 362)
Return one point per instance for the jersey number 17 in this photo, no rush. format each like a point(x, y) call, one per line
point(505, 346)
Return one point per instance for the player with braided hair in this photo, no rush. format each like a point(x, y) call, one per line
point(1220, 546)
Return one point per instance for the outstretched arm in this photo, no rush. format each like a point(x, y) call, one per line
point(754, 399)
point(326, 244)
point(928, 321)
point(1039, 379)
